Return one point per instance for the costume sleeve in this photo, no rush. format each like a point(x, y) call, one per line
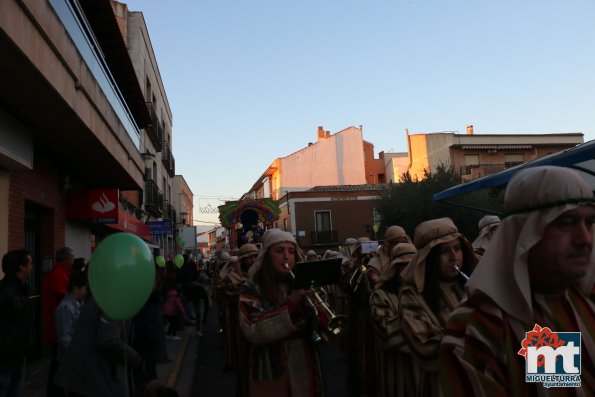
point(473, 356)
point(386, 320)
point(263, 326)
point(420, 328)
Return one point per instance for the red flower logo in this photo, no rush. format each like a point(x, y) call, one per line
point(539, 337)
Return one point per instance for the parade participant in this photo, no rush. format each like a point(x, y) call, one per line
point(392, 236)
point(393, 361)
point(433, 287)
point(283, 358)
point(238, 347)
point(311, 256)
point(537, 271)
point(16, 320)
point(229, 312)
point(55, 287)
point(487, 226)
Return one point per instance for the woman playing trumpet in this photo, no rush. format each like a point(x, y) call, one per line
point(278, 324)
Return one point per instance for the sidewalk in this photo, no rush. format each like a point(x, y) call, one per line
point(172, 374)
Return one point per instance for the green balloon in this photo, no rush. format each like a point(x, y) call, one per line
point(121, 275)
point(179, 261)
point(160, 261)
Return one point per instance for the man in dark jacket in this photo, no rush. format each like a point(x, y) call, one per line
point(15, 321)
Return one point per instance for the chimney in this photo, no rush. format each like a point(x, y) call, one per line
point(321, 133)
point(328, 134)
point(470, 129)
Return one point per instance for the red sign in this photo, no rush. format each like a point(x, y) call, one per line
point(128, 223)
point(95, 205)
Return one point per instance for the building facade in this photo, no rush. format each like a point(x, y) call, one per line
point(324, 217)
point(474, 155)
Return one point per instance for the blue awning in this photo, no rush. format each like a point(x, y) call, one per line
point(580, 157)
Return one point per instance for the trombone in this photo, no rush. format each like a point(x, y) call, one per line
point(336, 323)
point(360, 271)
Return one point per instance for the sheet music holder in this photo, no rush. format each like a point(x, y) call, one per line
point(318, 273)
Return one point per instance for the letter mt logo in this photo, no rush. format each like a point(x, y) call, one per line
point(552, 358)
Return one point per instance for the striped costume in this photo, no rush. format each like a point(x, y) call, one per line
point(282, 361)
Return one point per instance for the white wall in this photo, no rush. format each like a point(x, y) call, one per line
point(336, 160)
point(78, 237)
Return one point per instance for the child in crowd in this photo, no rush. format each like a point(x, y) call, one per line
point(173, 310)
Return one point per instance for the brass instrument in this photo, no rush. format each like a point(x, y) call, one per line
point(458, 269)
point(360, 271)
point(336, 322)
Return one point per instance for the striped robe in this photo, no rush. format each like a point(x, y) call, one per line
point(478, 355)
point(283, 362)
point(395, 375)
point(422, 329)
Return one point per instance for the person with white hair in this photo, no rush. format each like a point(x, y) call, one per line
point(535, 281)
point(278, 322)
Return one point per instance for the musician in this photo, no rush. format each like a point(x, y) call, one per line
point(487, 226)
point(433, 287)
point(393, 361)
point(392, 236)
point(276, 321)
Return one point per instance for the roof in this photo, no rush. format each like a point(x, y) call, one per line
point(580, 158)
point(349, 188)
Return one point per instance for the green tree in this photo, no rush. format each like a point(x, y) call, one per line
point(409, 203)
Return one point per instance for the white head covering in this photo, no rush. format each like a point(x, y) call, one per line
point(401, 255)
point(534, 198)
point(485, 225)
point(349, 247)
point(270, 238)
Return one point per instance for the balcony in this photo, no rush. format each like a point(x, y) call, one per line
point(154, 202)
point(154, 129)
point(168, 160)
point(170, 213)
point(469, 172)
point(323, 237)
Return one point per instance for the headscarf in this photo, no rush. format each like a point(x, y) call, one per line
point(270, 238)
point(485, 226)
point(427, 235)
point(349, 247)
point(247, 250)
point(382, 259)
point(534, 198)
point(401, 255)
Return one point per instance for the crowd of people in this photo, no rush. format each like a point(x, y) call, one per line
point(432, 315)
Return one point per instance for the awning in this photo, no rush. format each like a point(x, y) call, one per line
point(580, 157)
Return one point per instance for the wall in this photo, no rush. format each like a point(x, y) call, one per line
point(78, 237)
point(335, 160)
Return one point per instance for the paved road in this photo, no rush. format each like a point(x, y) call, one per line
point(210, 379)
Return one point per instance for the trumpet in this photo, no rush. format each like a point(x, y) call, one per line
point(336, 322)
point(458, 269)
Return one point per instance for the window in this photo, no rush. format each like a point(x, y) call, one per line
point(472, 159)
point(323, 221)
point(510, 160)
point(376, 218)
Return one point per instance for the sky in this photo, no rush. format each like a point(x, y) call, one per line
point(250, 81)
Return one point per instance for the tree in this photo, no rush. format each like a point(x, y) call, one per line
point(409, 203)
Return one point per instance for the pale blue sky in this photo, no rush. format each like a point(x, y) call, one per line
point(249, 81)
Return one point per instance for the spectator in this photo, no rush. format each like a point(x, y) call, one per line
point(173, 310)
point(15, 320)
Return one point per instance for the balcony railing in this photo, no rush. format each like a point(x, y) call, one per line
point(153, 198)
point(323, 237)
point(154, 129)
point(168, 160)
point(476, 171)
point(170, 213)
